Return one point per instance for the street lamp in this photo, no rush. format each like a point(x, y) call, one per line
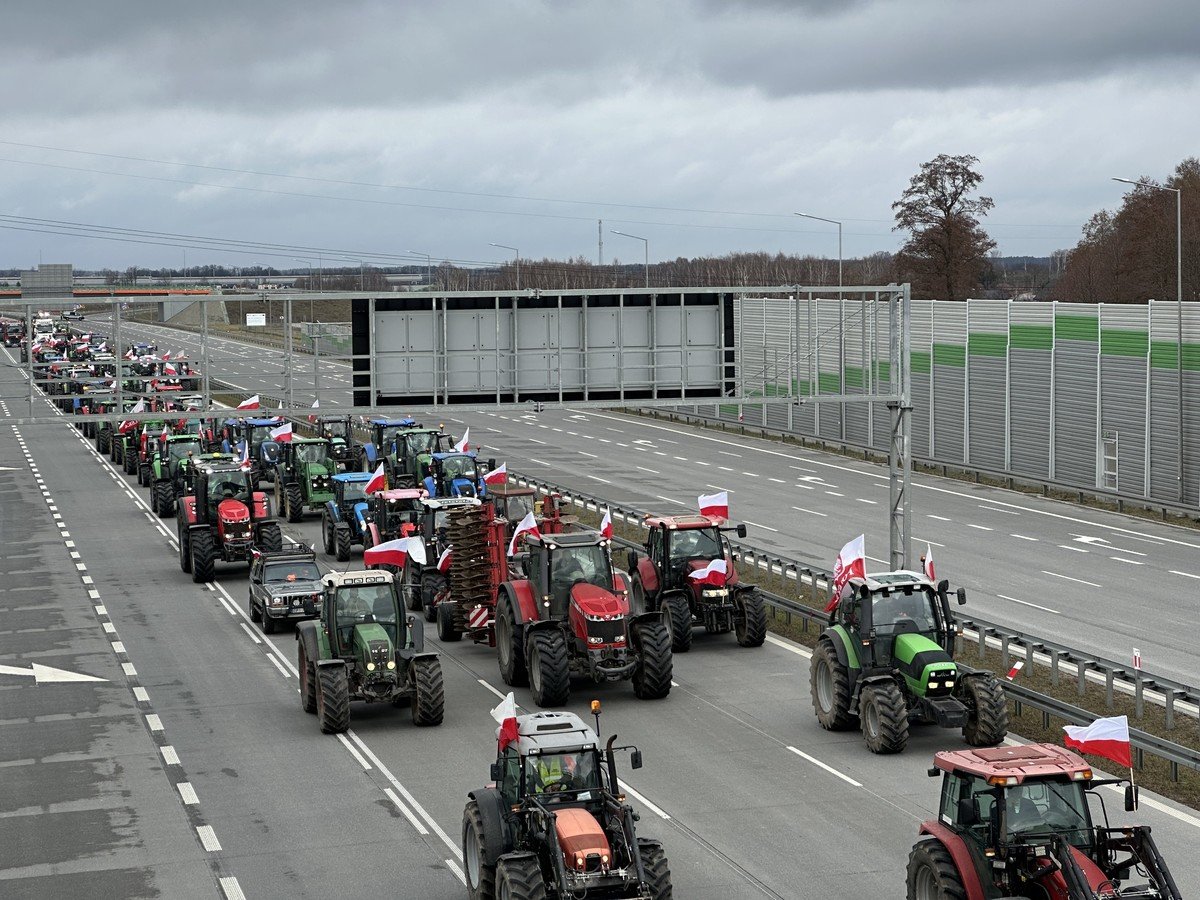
point(518, 259)
point(839, 225)
point(428, 266)
point(1178, 303)
point(646, 242)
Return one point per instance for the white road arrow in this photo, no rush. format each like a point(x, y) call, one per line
point(1088, 539)
point(46, 675)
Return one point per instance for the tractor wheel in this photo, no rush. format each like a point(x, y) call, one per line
point(131, 461)
point(520, 879)
point(162, 499)
point(308, 679)
point(203, 563)
point(932, 874)
point(293, 503)
point(509, 649)
point(637, 597)
point(480, 871)
point(652, 677)
point(883, 715)
point(144, 476)
point(270, 538)
point(333, 699)
point(412, 591)
point(429, 696)
point(549, 669)
point(114, 451)
point(829, 683)
point(445, 623)
point(987, 712)
point(433, 583)
point(341, 537)
point(256, 612)
point(103, 440)
point(327, 535)
point(677, 616)
point(751, 627)
point(185, 549)
point(658, 873)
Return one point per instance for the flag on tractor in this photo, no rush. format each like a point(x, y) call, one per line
point(606, 526)
point(464, 446)
point(316, 405)
point(714, 505)
point(506, 715)
point(528, 525)
point(443, 563)
point(498, 476)
point(715, 573)
point(1107, 737)
point(396, 553)
point(929, 572)
point(283, 433)
point(249, 403)
point(378, 481)
point(851, 561)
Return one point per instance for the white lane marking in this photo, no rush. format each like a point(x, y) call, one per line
point(828, 768)
point(725, 468)
point(1069, 547)
point(990, 508)
point(927, 541)
point(1027, 603)
point(701, 462)
point(1021, 537)
point(872, 502)
point(1161, 807)
point(789, 646)
point(387, 773)
point(109, 628)
point(140, 695)
point(646, 803)
point(101, 610)
point(170, 757)
point(1069, 578)
point(492, 689)
point(598, 478)
point(764, 527)
point(811, 512)
point(681, 459)
point(540, 462)
point(453, 867)
point(670, 500)
point(776, 480)
point(750, 474)
point(231, 888)
point(834, 494)
point(354, 752)
point(651, 471)
point(536, 441)
point(979, 527)
point(188, 793)
point(129, 670)
point(1144, 540)
point(208, 838)
point(118, 647)
point(937, 518)
point(282, 671)
point(585, 453)
point(727, 453)
point(1184, 574)
point(1132, 562)
point(250, 631)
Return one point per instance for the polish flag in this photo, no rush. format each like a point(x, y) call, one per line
point(249, 403)
point(463, 446)
point(1015, 670)
point(396, 553)
point(606, 526)
point(166, 356)
point(715, 573)
point(714, 505)
point(316, 405)
point(170, 370)
point(528, 525)
point(128, 424)
point(378, 481)
point(165, 434)
point(852, 560)
point(497, 476)
point(506, 715)
point(929, 563)
point(1108, 737)
point(443, 563)
point(245, 460)
point(128, 355)
point(283, 433)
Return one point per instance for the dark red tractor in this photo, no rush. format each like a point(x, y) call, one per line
point(225, 518)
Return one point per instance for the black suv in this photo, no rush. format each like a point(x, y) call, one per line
point(284, 585)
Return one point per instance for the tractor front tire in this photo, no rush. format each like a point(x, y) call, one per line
point(203, 562)
point(162, 499)
point(509, 648)
point(131, 461)
point(293, 503)
point(829, 683)
point(433, 583)
point(185, 549)
point(327, 535)
point(652, 677)
point(333, 699)
point(549, 668)
point(678, 615)
point(658, 873)
point(751, 626)
point(308, 680)
point(270, 538)
point(883, 716)
point(429, 694)
point(520, 879)
point(103, 440)
point(341, 537)
point(145, 477)
point(932, 875)
point(987, 712)
point(412, 592)
point(480, 871)
point(446, 629)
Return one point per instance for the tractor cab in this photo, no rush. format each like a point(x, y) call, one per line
point(575, 567)
point(344, 516)
point(677, 546)
point(455, 475)
point(395, 513)
point(895, 616)
point(556, 758)
point(382, 443)
point(413, 450)
point(365, 610)
point(176, 451)
point(340, 434)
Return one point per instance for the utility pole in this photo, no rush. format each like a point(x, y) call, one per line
point(600, 238)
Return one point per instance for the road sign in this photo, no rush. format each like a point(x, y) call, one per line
point(256, 320)
point(1137, 659)
point(46, 675)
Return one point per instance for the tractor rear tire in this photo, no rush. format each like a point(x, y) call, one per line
point(185, 549)
point(131, 461)
point(652, 677)
point(327, 535)
point(480, 871)
point(658, 873)
point(987, 716)
point(549, 668)
point(114, 451)
point(446, 629)
point(829, 683)
point(433, 583)
point(308, 680)
point(333, 699)
point(429, 694)
point(510, 650)
point(932, 875)
point(520, 879)
point(883, 715)
point(293, 503)
point(270, 538)
point(751, 627)
point(103, 442)
point(203, 563)
point(341, 537)
point(145, 477)
point(162, 499)
point(637, 597)
point(677, 613)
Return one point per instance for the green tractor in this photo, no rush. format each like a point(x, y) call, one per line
point(887, 658)
point(169, 469)
point(339, 431)
point(304, 476)
point(365, 648)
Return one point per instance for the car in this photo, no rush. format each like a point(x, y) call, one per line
point(285, 585)
point(74, 316)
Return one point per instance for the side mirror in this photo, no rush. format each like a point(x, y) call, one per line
point(635, 759)
point(632, 561)
point(968, 812)
point(1131, 798)
point(741, 530)
point(497, 772)
point(962, 596)
point(491, 464)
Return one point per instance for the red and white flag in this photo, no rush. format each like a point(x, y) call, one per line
point(165, 434)
point(283, 433)
point(246, 465)
point(606, 526)
point(169, 370)
point(1108, 737)
point(249, 403)
point(166, 356)
point(443, 563)
point(714, 505)
point(378, 481)
point(527, 525)
point(929, 573)
point(715, 573)
point(316, 405)
point(497, 476)
point(128, 353)
point(396, 553)
point(506, 715)
point(851, 561)
point(463, 446)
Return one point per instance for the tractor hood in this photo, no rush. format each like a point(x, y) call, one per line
point(924, 664)
point(373, 650)
point(231, 512)
point(463, 487)
point(580, 836)
point(596, 602)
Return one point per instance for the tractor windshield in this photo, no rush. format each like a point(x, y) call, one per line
point(420, 442)
point(397, 512)
point(227, 488)
point(557, 773)
point(356, 602)
point(258, 434)
point(454, 467)
point(353, 491)
point(335, 430)
point(316, 452)
point(183, 449)
point(1041, 807)
point(283, 573)
point(692, 543)
point(569, 565)
point(387, 436)
point(517, 507)
point(906, 609)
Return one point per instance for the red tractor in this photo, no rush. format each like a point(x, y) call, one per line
point(1016, 822)
point(667, 579)
point(223, 517)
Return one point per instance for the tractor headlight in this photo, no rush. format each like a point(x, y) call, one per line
point(595, 640)
point(370, 667)
point(391, 664)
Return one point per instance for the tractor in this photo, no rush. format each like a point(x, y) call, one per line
point(412, 452)
point(382, 441)
point(223, 517)
point(303, 475)
point(364, 647)
point(887, 658)
point(513, 503)
point(340, 434)
point(423, 584)
point(569, 615)
point(170, 469)
point(1016, 822)
point(253, 433)
point(455, 474)
point(678, 549)
point(554, 821)
point(344, 517)
point(393, 514)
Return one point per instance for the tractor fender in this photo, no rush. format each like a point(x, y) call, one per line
point(525, 603)
point(188, 510)
point(497, 836)
point(542, 625)
point(846, 654)
point(262, 508)
point(643, 618)
point(373, 530)
point(430, 486)
point(369, 452)
point(334, 661)
point(411, 656)
point(648, 575)
point(306, 634)
point(360, 516)
point(331, 509)
point(957, 848)
point(416, 633)
point(226, 447)
point(620, 581)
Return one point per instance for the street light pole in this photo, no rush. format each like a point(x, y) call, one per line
point(428, 267)
point(646, 243)
point(1178, 307)
point(518, 259)
point(839, 226)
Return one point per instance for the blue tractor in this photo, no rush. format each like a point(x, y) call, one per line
point(235, 434)
point(382, 443)
point(344, 519)
point(456, 475)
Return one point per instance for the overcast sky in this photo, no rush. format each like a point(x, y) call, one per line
point(376, 128)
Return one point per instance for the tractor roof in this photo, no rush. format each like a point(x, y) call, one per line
point(352, 477)
point(450, 454)
point(346, 579)
point(510, 490)
point(683, 523)
point(451, 502)
point(402, 494)
point(879, 581)
point(221, 467)
point(567, 539)
point(299, 439)
point(1024, 762)
point(403, 423)
point(259, 423)
point(552, 732)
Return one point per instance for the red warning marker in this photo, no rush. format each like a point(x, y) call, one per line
point(1015, 670)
